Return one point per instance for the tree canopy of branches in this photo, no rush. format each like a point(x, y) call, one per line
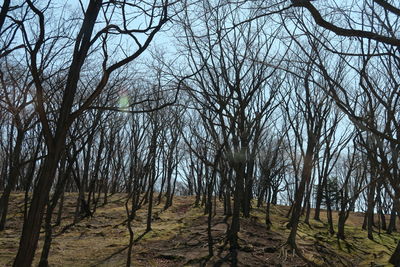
point(291, 102)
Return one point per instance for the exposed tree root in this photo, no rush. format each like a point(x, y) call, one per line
point(286, 247)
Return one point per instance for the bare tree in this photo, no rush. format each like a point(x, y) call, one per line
point(307, 111)
point(15, 98)
point(86, 38)
point(351, 173)
point(235, 93)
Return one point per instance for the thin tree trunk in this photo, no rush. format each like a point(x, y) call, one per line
point(150, 209)
point(235, 225)
point(296, 208)
point(267, 210)
point(370, 210)
point(12, 179)
point(130, 216)
point(341, 224)
point(318, 201)
point(329, 215)
point(48, 237)
point(392, 222)
point(209, 217)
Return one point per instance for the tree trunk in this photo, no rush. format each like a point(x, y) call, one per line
point(341, 224)
point(392, 222)
point(169, 189)
point(228, 201)
point(261, 197)
point(163, 178)
point(48, 237)
point(383, 221)
point(12, 179)
point(267, 210)
point(209, 217)
point(235, 225)
point(364, 225)
point(171, 197)
point(62, 178)
point(130, 217)
point(298, 200)
point(395, 258)
point(370, 210)
point(248, 190)
point(329, 215)
point(31, 227)
point(60, 207)
point(150, 208)
point(308, 212)
point(318, 200)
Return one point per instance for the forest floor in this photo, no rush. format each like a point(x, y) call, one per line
point(179, 238)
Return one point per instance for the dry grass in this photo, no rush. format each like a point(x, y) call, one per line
point(179, 238)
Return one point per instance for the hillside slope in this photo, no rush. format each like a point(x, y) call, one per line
point(179, 238)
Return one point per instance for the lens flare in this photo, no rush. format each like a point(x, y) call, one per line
point(123, 101)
